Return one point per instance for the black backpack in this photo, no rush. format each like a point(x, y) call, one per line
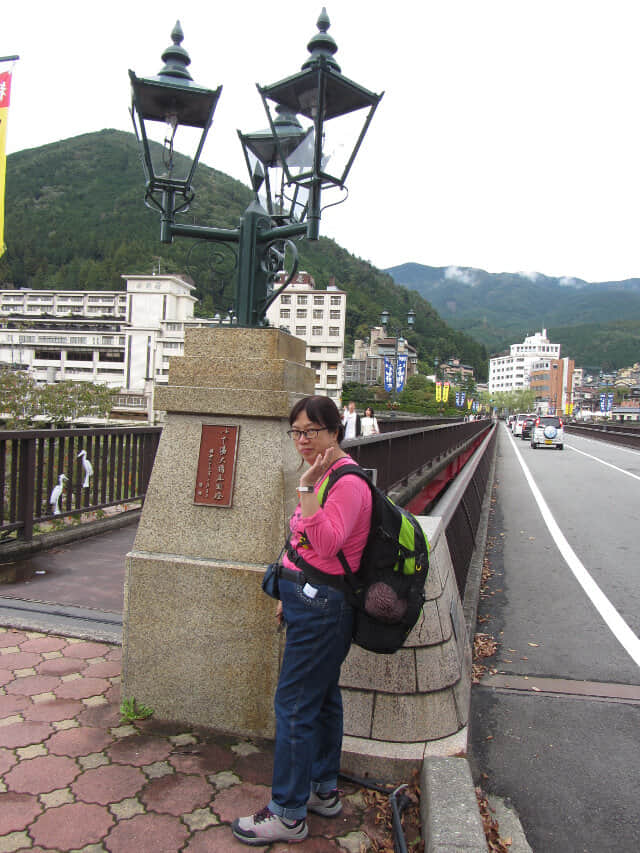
point(387, 591)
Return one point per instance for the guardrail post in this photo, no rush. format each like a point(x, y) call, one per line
point(26, 478)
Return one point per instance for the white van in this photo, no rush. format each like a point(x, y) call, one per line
point(517, 424)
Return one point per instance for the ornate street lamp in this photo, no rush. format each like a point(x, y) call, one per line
point(322, 94)
point(164, 107)
point(288, 164)
point(384, 319)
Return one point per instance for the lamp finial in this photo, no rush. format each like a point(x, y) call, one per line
point(175, 58)
point(322, 46)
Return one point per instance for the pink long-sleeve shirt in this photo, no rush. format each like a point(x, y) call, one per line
point(342, 524)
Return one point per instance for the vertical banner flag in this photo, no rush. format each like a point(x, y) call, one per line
point(401, 372)
point(458, 399)
point(5, 90)
point(438, 392)
point(603, 402)
point(388, 375)
point(609, 402)
point(445, 392)
point(463, 395)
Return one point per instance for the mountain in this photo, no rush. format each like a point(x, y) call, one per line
point(75, 219)
point(596, 323)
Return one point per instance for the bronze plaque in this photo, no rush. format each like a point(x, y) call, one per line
point(216, 465)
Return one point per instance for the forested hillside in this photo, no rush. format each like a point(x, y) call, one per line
point(596, 323)
point(75, 219)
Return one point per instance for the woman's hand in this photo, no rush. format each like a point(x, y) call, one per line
point(320, 466)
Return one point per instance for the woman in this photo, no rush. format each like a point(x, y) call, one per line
point(308, 704)
point(369, 424)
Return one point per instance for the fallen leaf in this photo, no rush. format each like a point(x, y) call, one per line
point(533, 645)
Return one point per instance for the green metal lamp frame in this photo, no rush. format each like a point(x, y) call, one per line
point(262, 236)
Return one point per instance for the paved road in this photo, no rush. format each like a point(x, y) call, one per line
point(556, 728)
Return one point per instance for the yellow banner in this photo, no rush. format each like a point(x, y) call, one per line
point(445, 392)
point(5, 90)
point(438, 392)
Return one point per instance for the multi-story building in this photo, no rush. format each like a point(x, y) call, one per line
point(318, 317)
point(119, 338)
point(367, 364)
point(454, 371)
point(511, 372)
point(552, 381)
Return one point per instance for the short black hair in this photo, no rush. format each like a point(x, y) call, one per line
point(321, 410)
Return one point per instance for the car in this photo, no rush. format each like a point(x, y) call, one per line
point(527, 426)
point(517, 424)
point(547, 431)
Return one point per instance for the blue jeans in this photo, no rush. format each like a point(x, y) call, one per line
point(308, 704)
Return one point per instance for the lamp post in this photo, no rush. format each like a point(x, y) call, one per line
point(384, 319)
point(289, 165)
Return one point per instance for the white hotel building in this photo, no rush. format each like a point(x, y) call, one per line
point(118, 338)
point(318, 317)
point(511, 372)
point(124, 339)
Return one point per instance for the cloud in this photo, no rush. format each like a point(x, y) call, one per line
point(459, 274)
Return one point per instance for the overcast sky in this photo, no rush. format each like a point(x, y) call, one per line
point(508, 137)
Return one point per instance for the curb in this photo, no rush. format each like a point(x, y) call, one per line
point(449, 809)
point(18, 550)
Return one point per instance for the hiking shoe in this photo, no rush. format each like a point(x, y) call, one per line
point(265, 827)
point(327, 805)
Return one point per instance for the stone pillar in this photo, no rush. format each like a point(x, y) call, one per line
point(400, 708)
point(199, 638)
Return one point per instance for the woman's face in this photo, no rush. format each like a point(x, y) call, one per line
point(368, 412)
point(308, 447)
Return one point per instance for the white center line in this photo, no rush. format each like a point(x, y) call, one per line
point(621, 631)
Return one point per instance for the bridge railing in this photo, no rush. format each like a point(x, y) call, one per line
point(403, 453)
point(617, 433)
point(119, 460)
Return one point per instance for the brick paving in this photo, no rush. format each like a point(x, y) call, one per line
point(74, 778)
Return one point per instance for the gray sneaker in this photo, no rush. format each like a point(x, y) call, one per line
point(265, 827)
point(327, 805)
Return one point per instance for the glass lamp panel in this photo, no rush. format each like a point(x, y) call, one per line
point(341, 137)
point(172, 151)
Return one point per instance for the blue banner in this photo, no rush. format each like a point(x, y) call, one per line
point(388, 374)
point(463, 395)
point(603, 402)
point(458, 399)
point(609, 402)
point(401, 372)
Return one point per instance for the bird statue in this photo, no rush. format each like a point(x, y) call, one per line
point(56, 494)
point(88, 468)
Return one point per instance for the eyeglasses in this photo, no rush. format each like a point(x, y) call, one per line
point(297, 434)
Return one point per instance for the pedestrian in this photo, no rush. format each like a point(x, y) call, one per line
point(369, 424)
point(318, 620)
point(351, 421)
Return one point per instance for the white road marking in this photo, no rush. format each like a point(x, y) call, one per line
point(602, 462)
point(621, 631)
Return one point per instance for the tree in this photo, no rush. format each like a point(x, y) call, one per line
point(18, 393)
point(68, 400)
point(22, 399)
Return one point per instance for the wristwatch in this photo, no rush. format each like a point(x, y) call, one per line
point(305, 489)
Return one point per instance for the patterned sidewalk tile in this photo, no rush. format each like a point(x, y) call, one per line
point(75, 777)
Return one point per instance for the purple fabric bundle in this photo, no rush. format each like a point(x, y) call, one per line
point(383, 603)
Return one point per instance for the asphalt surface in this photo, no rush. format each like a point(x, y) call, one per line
point(555, 720)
